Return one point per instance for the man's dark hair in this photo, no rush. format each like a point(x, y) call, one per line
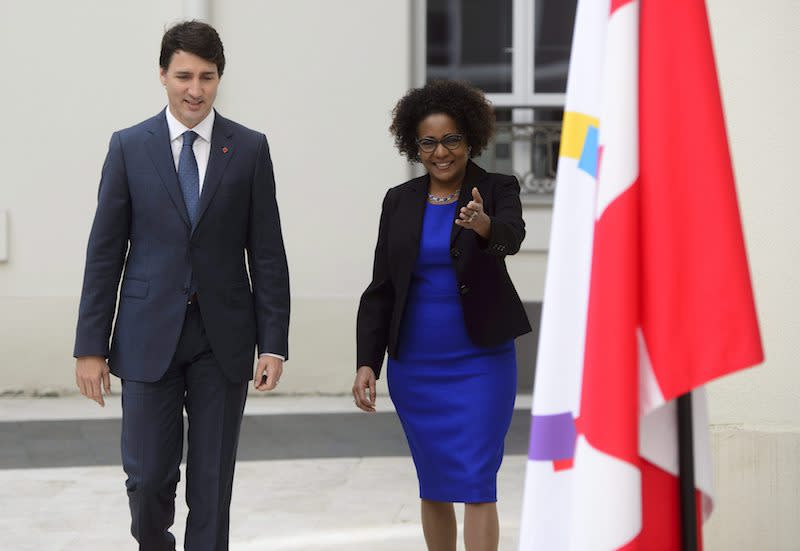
point(194, 37)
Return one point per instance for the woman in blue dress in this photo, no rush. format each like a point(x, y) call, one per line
point(443, 306)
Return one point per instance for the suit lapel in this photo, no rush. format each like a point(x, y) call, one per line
point(222, 149)
point(160, 151)
point(472, 178)
point(413, 209)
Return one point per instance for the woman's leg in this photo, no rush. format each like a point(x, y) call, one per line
point(439, 525)
point(481, 527)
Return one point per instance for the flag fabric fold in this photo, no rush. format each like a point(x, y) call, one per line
point(648, 291)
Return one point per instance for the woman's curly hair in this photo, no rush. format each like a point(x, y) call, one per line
point(466, 104)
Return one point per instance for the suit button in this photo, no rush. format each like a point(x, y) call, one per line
point(455, 252)
point(463, 289)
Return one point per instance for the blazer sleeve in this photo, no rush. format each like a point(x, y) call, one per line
point(269, 271)
point(508, 227)
point(375, 308)
point(105, 256)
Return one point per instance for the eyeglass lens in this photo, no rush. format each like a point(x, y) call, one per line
point(451, 142)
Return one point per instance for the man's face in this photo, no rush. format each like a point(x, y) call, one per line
point(191, 84)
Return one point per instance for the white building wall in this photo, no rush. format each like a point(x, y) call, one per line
point(756, 414)
point(320, 79)
point(758, 57)
point(73, 73)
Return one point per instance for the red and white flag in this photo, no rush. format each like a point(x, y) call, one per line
point(648, 292)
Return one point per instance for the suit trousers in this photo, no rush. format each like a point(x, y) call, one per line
point(152, 445)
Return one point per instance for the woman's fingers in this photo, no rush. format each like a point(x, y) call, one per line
point(372, 393)
point(362, 402)
point(362, 383)
point(469, 213)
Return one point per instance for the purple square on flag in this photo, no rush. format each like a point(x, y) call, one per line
point(552, 437)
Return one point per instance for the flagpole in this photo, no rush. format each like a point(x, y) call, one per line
point(686, 472)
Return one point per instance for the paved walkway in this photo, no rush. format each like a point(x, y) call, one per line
point(312, 475)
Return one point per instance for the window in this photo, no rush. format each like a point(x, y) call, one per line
point(470, 40)
point(517, 51)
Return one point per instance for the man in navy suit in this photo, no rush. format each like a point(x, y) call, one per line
point(183, 197)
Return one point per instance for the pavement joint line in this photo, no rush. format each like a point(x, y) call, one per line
point(78, 408)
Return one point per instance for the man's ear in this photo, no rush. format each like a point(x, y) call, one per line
point(162, 74)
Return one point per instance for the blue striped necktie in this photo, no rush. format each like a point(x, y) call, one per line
point(189, 176)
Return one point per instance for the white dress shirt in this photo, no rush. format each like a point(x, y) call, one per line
point(201, 145)
point(202, 150)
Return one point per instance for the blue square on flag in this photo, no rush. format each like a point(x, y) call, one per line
point(588, 160)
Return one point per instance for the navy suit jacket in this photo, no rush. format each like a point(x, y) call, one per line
point(142, 232)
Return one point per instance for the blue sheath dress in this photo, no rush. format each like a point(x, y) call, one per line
point(454, 399)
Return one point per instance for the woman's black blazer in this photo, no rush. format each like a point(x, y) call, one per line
point(493, 312)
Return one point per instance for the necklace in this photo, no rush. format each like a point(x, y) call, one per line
point(436, 199)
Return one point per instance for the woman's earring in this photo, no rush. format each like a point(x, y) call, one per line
point(469, 150)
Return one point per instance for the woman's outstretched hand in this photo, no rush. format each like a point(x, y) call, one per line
point(473, 218)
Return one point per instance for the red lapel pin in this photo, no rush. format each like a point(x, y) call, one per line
point(224, 149)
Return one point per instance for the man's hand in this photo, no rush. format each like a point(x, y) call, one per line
point(268, 373)
point(92, 376)
point(365, 380)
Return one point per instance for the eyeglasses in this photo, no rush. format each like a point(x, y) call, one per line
point(450, 142)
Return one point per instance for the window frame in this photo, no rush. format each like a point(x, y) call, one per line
point(522, 101)
point(523, 56)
